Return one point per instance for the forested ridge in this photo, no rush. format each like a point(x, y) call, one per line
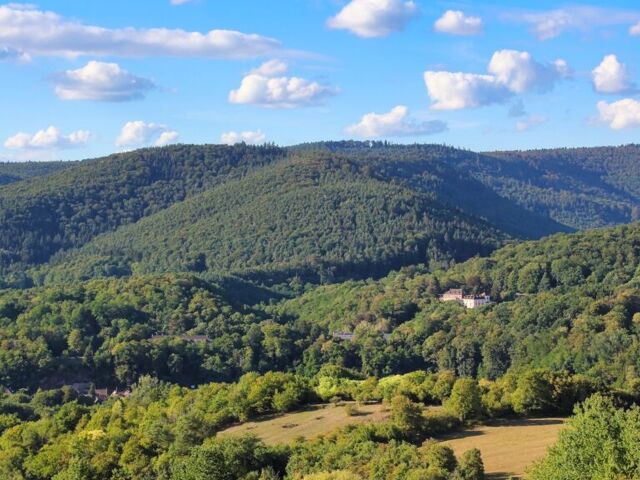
point(213, 285)
point(11, 172)
point(316, 216)
point(42, 215)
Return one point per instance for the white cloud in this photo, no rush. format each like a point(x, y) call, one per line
point(549, 24)
point(611, 76)
point(249, 137)
point(510, 72)
point(530, 122)
point(37, 32)
point(395, 123)
point(180, 2)
point(634, 30)
point(50, 138)
point(374, 18)
point(520, 73)
point(457, 90)
point(621, 114)
point(100, 81)
point(266, 86)
point(456, 22)
point(139, 133)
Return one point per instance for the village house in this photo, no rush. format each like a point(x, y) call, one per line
point(469, 301)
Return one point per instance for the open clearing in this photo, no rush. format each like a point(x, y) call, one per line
point(309, 423)
point(509, 446)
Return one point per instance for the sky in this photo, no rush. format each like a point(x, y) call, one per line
point(85, 79)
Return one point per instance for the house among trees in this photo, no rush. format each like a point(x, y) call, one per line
point(469, 301)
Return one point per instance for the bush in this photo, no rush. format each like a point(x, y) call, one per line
point(465, 401)
point(470, 466)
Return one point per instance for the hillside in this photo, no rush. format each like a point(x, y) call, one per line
point(317, 216)
point(579, 188)
point(567, 302)
point(11, 172)
point(42, 215)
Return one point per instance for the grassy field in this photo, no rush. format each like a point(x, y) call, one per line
point(309, 423)
point(510, 446)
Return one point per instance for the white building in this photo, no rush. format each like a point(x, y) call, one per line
point(469, 301)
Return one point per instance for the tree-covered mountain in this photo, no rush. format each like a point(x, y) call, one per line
point(11, 172)
point(319, 216)
point(42, 215)
point(577, 187)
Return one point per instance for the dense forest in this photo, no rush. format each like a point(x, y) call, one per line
point(11, 172)
point(209, 285)
point(318, 217)
point(45, 214)
point(577, 187)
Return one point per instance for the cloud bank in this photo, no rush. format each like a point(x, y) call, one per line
point(510, 72)
point(395, 123)
point(268, 86)
point(105, 82)
point(374, 18)
point(50, 139)
point(35, 32)
point(139, 133)
point(455, 22)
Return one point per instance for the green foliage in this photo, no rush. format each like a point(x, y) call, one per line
point(601, 442)
point(465, 402)
point(328, 218)
point(470, 466)
point(45, 214)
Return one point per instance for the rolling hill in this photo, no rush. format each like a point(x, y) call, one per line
point(318, 216)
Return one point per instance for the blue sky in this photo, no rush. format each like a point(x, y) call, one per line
point(82, 79)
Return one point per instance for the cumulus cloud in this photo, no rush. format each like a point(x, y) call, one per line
point(268, 86)
point(634, 30)
point(520, 73)
point(549, 24)
point(139, 133)
point(621, 114)
point(455, 22)
point(510, 72)
point(249, 137)
point(36, 32)
point(100, 81)
point(530, 122)
point(374, 18)
point(395, 123)
point(611, 76)
point(50, 138)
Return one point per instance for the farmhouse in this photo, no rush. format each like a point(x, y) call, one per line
point(469, 301)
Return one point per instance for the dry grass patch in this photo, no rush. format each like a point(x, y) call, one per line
point(309, 423)
point(508, 447)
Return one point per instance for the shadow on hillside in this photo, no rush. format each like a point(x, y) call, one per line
point(510, 422)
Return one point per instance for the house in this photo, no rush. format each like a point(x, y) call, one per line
point(469, 301)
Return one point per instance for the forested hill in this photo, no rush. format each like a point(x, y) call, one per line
point(318, 216)
point(394, 205)
point(11, 172)
point(580, 187)
point(42, 215)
